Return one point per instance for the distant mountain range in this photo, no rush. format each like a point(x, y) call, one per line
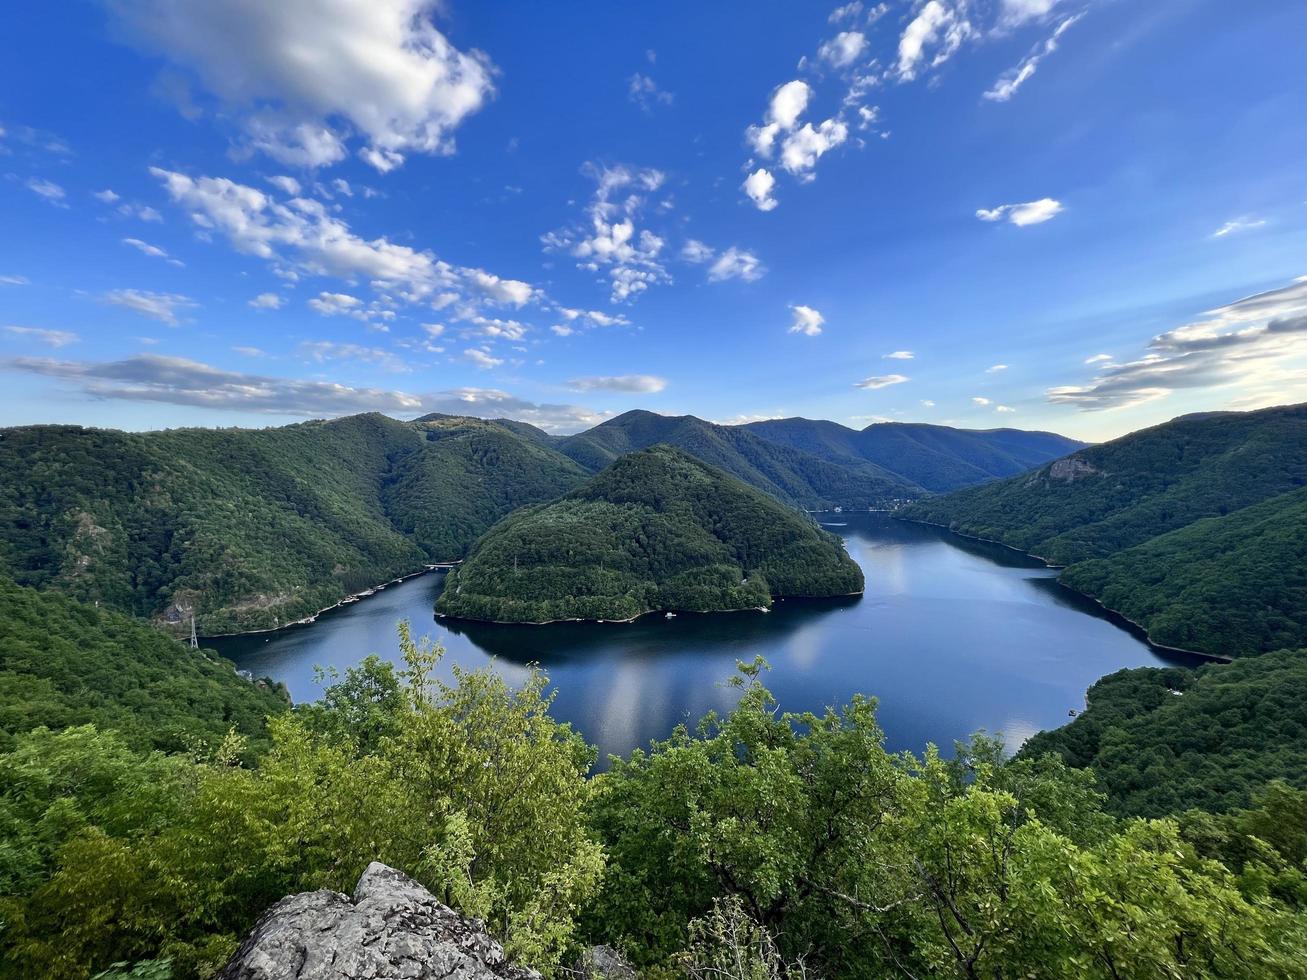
point(1196, 529)
point(253, 529)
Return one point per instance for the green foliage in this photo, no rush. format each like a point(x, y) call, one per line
point(1194, 528)
point(791, 475)
point(936, 457)
point(656, 530)
point(65, 663)
point(255, 528)
point(472, 788)
point(1233, 585)
point(1164, 740)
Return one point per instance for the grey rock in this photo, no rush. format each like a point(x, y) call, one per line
point(391, 929)
point(603, 963)
point(1071, 469)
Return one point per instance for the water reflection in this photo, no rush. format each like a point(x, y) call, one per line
point(952, 636)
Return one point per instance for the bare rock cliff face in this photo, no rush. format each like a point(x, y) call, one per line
point(392, 927)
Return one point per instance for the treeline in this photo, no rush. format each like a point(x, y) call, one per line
point(255, 528)
point(1162, 740)
point(1193, 528)
point(656, 530)
point(761, 844)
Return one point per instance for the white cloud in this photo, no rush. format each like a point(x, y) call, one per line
point(433, 329)
point(849, 12)
point(179, 381)
point(302, 236)
point(735, 263)
point(250, 351)
point(51, 338)
point(880, 381)
point(49, 190)
point(939, 27)
point(644, 92)
point(15, 281)
point(267, 301)
point(1243, 345)
point(759, 185)
point(1014, 13)
point(1237, 225)
point(995, 368)
point(335, 304)
point(927, 403)
point(322, 351)
point(843, 49)
point(644, 384)
point(303, 77)
point(807, 321)
point(1004, 408)
point(611, 241)
point(982, 402)
point(163, 307)
point(696, 251)
point(899, 355)
point(1007, 84)
point(287, 185)
point(562, 330)
point(802, 148)
point(1098, 358)
point(482, 358)
point(1030, 213)
point(106, 195)
point(153, 251)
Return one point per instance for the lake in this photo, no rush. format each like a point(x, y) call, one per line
point(953, 636)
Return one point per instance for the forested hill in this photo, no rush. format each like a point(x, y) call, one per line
point(256, 528)
point(65, 663)
point(936, 457)
point(657, 530)
point(1193, 528)
point(791, 475)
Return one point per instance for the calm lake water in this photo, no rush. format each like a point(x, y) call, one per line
point(952, 636)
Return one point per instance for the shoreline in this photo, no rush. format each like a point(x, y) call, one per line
point(1143, 630)
point(649, 612)
point(347, 600)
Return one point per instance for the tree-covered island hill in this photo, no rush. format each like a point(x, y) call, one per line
point(657, 530)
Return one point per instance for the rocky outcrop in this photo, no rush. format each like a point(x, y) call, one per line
point(603, 963)
point(392, 927)
point(1071, 469)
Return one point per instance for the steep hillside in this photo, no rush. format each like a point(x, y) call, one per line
point(936, 457)
point(792, 475)
point(1119, 494)
point(255, 528)
point(66, 663)
point(1194, 528)
point(1163, 740)
point(658, 529)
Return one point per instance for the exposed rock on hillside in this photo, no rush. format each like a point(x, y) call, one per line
point(392, 927)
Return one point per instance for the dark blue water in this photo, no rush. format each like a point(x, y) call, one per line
point(952, 636)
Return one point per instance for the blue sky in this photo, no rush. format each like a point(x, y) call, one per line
point(1079, 215)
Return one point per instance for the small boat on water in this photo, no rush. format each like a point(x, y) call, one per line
point(348, 599)
point(669, 615)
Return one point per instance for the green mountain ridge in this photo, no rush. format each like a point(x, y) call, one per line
point(656, 530)
point(935, 457)
point(255, 528)
point(1192, 528)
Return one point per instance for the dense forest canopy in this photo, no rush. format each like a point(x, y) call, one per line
point(765, 843)
point(1194, 528)
point(656, 530)
point(256, 528)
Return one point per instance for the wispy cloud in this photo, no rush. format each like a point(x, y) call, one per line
point(898, 355)
point(644, 384)
point(1029, 213)
point(881, 381)
point(164, 307)
point(51, 338)
point(1007, 84)
point(807, 321)
point(1242, 345)
point(1238, 225)
point(644, 92)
